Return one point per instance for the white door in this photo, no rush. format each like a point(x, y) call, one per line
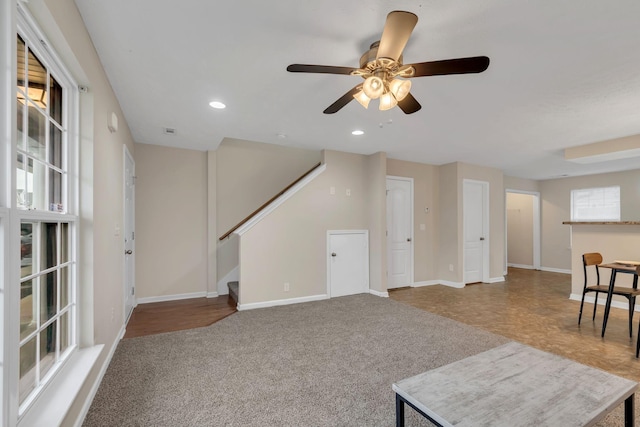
point(129, 233)
point(348, 261)
point(399, 232)
point(474, 206)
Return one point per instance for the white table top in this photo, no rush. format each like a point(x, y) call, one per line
point(515, 385)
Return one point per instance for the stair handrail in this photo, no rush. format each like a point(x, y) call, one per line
point(257, 211)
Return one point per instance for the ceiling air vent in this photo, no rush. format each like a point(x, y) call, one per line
point(169, 131)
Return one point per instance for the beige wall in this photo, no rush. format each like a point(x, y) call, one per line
point(250, 173)
point(171, 205)
point(450, 224)
point(614, 242)
point(289, 245)
point(377, 208)
point(513, 183)
point(556, 208)
point(425, 194)
point(520, 229)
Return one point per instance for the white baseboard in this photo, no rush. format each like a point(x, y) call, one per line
point(496, 279)
point(555, 270)
point(98, 381)
point(458, 285)
point(212, 295)
point(278, 302)
point(147, 300)
point(602, 301)
point(379, 294)
point(527, 267)
point(425, 283)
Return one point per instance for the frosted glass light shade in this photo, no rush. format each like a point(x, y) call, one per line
point(373, 87)
point(400, 88)
point(387, 101)
point(362, 98)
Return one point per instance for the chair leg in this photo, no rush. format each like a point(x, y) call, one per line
point(632, 304)
point(581, 305)
point(595, 306)
point(638, 343)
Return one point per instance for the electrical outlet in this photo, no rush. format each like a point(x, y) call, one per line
point(113, 314)
point(450, 267)
point(286, 286)
point(332, 190)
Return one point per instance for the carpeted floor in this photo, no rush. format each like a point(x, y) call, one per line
point(326, 363)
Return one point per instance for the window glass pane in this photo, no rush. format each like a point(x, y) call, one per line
point(55, 191)
point(47, 348)
point(35, 184)
point(55, 147)
point(596, 204)
point(64, 243)
point(48, 245)
point(20, 107)
point(24, 199)
point(55, 106)
point(27, 368)
point(20, 48)
point(26, 249)
point(27, 306)
point(64, 332)
point(37, 133)
point(64, 287)
point(37, 81)
point(48, 296)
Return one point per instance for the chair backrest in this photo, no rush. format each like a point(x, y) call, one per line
point(592, 258)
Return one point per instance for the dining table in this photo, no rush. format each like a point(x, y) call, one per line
point(618, 266)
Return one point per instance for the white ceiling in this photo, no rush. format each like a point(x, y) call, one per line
point(562, 74)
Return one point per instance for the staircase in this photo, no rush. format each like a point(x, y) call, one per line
point(234, 289)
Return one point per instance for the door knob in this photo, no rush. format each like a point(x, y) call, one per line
point(128, 252)
point(482, 238)
point(333, 254)
point(408, 239)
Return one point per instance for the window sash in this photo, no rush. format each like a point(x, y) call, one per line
point(595, 204)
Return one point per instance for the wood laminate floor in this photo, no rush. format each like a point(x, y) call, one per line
point(169, 316)
point(533, 307)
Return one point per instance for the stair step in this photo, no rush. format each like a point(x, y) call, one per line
point(234, 289)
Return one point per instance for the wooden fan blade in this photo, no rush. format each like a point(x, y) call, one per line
point(475, 64)
point(342, 101)
point(326, 69)
point(409, 104)
point(396, 33)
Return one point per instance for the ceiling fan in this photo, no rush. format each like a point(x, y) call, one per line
point(384, 73)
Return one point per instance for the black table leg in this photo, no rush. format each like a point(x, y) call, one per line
point(607, 306)
point(629, 418)
point(400, 411)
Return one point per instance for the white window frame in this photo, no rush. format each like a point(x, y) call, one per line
point(10, 222)
point(597, 212)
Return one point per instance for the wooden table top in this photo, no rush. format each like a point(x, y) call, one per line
point(516, 385)
point(620, 266)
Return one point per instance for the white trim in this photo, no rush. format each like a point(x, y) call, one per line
point(602, 301)
point(555, 270)
point(280, 200)
point(96, 384)
point(378, 293)
point(411, 220)
point(496, 279)
point(274, 303)
point(53, 403)
point(425, 283)
point(366, 259)
point(175, 297)
point(212, 295)
point(527, 267)
point(127, 155)
point(458, 285)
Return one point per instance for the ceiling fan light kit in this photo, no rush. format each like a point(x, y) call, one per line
point(384, 73)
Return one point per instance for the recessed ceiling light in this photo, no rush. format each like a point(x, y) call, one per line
point(357, 132)
point(217, 104)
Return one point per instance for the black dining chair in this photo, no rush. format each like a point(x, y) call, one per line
point(594, 259)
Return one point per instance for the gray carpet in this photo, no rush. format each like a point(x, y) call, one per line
point(326, 363)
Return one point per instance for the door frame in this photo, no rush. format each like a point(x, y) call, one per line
point(536, 227)
point(366, 258)
point(411, 231)
point(486, 264)
point(127, 155)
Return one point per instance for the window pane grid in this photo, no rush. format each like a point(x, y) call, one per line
point(596, 204)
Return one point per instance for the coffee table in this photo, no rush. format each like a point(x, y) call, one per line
point(515, 385)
